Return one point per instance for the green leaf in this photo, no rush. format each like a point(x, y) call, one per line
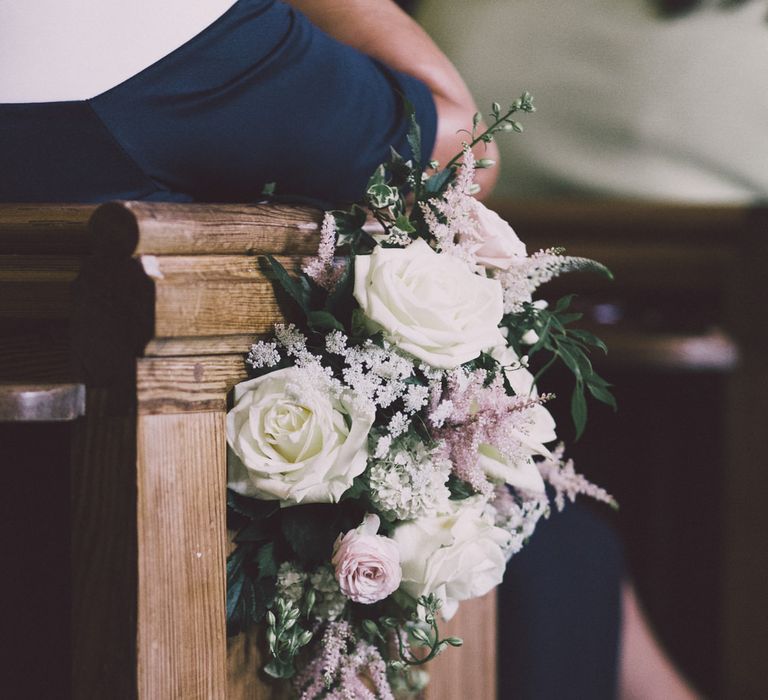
point(280, 669)
point(414, 135)
point(563, 303)
point(459, 489)
point(311, 530)
point(601, 393)
point(579, 409)
point(253, 508)
point(323, 321)
point(588, 338)
point(404, 224)
point(259, 597)
point(265, 561)
point(254, 531)
point(340, 296)
point(436, 183)
point(293, 288)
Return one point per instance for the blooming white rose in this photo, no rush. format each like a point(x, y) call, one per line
point(429, 305)
point(519, 470)
point(367, 565)
point(456, 556)
point(292, 442)
point(499, 244)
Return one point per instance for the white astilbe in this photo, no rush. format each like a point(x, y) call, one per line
point(322, 268)
point(567, 483)
point(330, 601)
point(526, 275)
point(451, 219)
point(517, 516)
point(410, 481)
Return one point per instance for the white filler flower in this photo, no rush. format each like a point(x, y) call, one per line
point(429, 305)
point(293, 442)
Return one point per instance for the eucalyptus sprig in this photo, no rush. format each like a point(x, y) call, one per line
point(500, 122)
point(285, 638)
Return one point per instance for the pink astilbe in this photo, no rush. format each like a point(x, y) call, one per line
point(562, 476)
point(469, 414)
point(451, 220)
point(323, 269)
point(338, 671)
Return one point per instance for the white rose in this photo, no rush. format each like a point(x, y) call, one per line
point(430, 305)
point(367, 565)
point(520, 472)
point(499, 244)
point(293, 443)
point(456, 556)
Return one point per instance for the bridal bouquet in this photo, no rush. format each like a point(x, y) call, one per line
point(389, 455)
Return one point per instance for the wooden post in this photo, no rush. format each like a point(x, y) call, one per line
point(164, 314)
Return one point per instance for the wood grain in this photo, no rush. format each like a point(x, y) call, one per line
point(45, 228)
point(181, 535)
point(192, 291)
point(36, 286)
point(148, 228)
point(205, 345)
point(470, 671)
point(174, 385)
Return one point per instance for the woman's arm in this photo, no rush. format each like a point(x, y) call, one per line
point(382, 30)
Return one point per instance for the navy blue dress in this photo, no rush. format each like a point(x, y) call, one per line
point(560, 611)
point(261, 95)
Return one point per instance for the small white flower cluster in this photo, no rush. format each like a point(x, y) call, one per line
point(379, 376)
point(518, 517)
point(290, 582)
point(410, 481)
point(329, 601)
point(263, 354)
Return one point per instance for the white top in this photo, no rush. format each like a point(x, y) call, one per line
point(628, 105)
point(56, 50)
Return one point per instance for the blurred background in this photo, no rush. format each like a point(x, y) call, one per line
point(649, 153)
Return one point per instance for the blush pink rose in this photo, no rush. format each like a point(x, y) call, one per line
point(499, 244)
point(367, 565)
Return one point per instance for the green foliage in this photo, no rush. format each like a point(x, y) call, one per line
point(421, 631)
point(568, 345)
point(250, 585)
point(285, 638)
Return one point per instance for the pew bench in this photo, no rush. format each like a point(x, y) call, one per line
point(151, 308)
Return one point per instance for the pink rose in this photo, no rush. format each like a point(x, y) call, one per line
point(499, 244)
point(367, 565)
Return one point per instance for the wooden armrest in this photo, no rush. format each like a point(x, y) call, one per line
point(41, 402)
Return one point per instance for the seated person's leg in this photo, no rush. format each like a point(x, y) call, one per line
point(560, 611)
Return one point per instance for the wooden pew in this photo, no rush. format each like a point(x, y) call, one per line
point(168, 299)
point(160, 316)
